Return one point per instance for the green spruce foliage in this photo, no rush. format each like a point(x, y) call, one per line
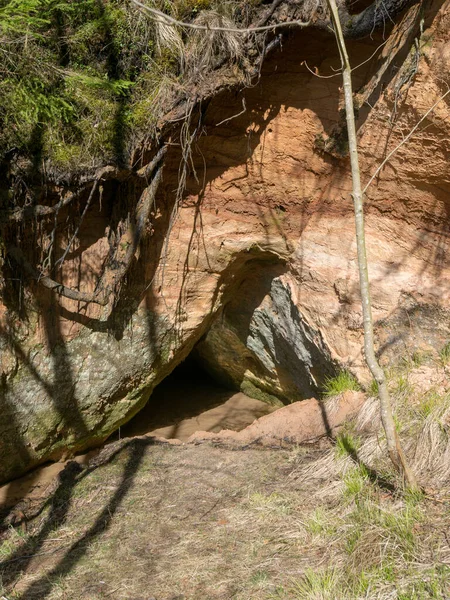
point(82, 80)
point(63, 75)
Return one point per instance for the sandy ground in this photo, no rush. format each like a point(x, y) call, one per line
point(156, 521)
point(178, 408)
point(236, 413)
point(195, 409)
point(149, 519)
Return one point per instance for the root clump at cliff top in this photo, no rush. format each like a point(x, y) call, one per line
point(87, 84)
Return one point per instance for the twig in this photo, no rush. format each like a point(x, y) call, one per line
point(413, 130)
point(161, 17)
point(244, 108)
point(371, 56)
point(29, 212)
point(48, 260)
point(338, 72)
point(61, 260)
point(318, 74)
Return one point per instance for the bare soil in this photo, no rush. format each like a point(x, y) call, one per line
point(179, 407)
point(151, 520)
point(176, 411)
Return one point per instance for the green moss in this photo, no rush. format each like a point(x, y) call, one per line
point(167, 345)
point(64, 94)
point(88, 79)
point(250, 389)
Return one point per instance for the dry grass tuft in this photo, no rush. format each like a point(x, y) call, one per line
point(431, 459)
point(204, 48)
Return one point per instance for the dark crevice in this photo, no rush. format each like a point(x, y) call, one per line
point(188, 392)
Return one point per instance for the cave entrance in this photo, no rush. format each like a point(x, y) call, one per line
point(258, 354)
point(190, 400)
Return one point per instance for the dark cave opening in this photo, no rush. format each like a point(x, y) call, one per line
point(258, 354)
point(190, 400)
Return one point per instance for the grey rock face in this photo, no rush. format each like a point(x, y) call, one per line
point(73, 396)
point(262, 345)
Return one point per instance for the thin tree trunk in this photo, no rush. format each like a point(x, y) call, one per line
point(393, 442)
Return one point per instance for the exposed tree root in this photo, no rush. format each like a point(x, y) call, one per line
point(128, 243)
point(27, 213)
point(130, 240)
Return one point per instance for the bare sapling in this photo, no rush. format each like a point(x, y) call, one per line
point(395, 450)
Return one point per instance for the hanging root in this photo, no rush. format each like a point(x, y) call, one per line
point(130, 240)
point(61, 260)
point(116, 269)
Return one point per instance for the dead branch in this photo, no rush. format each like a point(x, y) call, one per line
point(148, 169)
point(165, 19)
point(26, 213)
point(354, 26)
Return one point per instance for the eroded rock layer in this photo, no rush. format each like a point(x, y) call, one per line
point(259, 271)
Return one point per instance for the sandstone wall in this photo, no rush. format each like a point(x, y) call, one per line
point(259, 274)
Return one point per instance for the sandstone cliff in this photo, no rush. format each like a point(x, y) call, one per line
point(257, 274)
